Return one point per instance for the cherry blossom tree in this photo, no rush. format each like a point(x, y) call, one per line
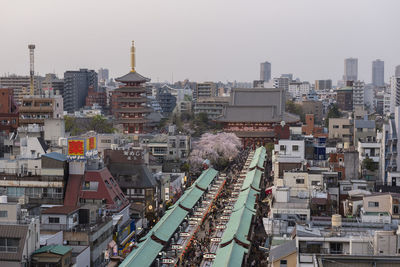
point(219, 149)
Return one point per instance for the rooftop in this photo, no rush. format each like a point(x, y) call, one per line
point(65, 210)
point(283, 250)
point(55, 249)
point(134, 77)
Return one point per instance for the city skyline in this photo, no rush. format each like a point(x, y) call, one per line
point(167, 47)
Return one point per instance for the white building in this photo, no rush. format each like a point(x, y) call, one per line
point(358, 93)
point(298, 89)
point(289, 208)
point(289, 150)
point(301, 184)
point(395, 93)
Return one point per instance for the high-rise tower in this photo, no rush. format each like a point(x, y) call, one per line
point(265, 71)
point(378, 72)
point(350, 69)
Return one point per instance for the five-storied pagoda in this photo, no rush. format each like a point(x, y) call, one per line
point(130, 102)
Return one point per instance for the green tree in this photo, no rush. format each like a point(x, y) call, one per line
point(295, 108)
point(100, 124)
point(369, 164)
point(333, 112)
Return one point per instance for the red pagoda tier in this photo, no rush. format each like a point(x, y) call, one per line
point(130, 102)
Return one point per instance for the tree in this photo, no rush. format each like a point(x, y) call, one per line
point(219, 149)
point(79, 126)
point(333, 112)
point(295, 108)
point(100, 124)
point(369, 164)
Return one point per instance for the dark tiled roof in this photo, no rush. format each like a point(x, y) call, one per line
point(255, 114)
point(255, 134)
point(13, 231)
point(132, 176)
point(133, 76)
point(60, 210)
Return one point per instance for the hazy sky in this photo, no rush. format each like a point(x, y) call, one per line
point(201, 39)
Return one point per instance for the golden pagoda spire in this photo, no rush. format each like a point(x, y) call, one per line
point(133, 57)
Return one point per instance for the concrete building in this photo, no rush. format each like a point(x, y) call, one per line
point(350, 69)
point(282, 82)
point(289, 208)
point(52, 83)
point(302, 184)
point(76, 87)
point(364, 130)
point(206, 89)
point(212, 106)
point(21, 85)
point(394, 93)
point(358, 93)
point(18, 238)
point(265, 71)
point(8, 111)
point(344, 98)
point(341, 128)
point(166, 100)
point(378, 72)
point(389, 160)
point(315, 108)
point(397, 71)
point(299, 89)
point(33, 181)
point(36, 108)
point(98, 97)
point(103, 76)
point(323, 84)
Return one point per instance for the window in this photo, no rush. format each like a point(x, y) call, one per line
point(373, 204)
point(283, 263)
point(90, 186)
point(347, 188)
point(336, 248)
point(335, 126)
point(9, 245)
point(282, 148)
point(299, 181)
point(3, 214)
point(346, 126)
point(314, 182)
point(295, 148)
point(54, 220)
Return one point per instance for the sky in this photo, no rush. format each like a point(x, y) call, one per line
point(207, 40)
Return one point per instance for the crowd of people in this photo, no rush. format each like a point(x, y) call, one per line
point(208, 229)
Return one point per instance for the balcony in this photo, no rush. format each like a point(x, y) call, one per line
point(31, 109)
point(31, 121)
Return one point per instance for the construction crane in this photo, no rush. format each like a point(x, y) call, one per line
point(32, 68)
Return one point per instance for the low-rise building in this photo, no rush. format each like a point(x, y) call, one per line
point(212, 106)
point(364, 129)
point(36, 108)
point(342, 129)
point(54, 255)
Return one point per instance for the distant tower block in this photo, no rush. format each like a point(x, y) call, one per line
point(32, 67)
